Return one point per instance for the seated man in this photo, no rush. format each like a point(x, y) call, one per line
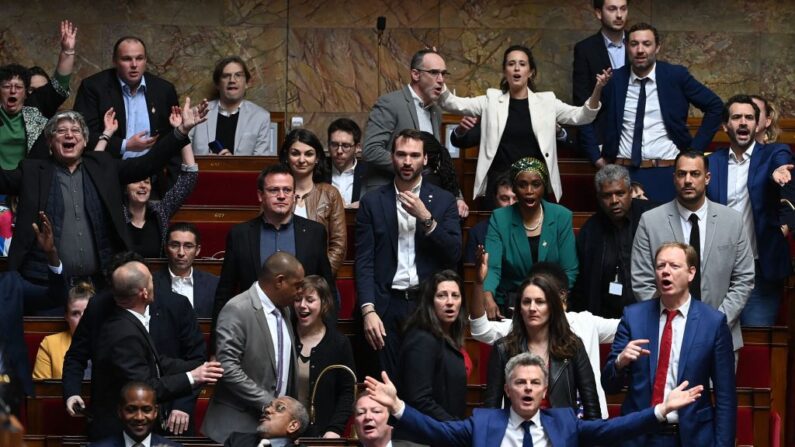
point(370, 422)
point(503, 196)
point(347, 172)
point(282, 421)
point(183, 244)
point(138, 413)
point(234, 126)
point(526, 381)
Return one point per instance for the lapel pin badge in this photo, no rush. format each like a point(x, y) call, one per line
point(153, 110)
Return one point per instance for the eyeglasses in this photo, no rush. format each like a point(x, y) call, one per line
point(274, 191)
point(435, 73)
point(344, 146)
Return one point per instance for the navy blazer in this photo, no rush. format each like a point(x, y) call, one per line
point(676, 90)
point(204, 285)
point(706, 355)
point(764, 195)
point(486, 427)
point(118, 441)
point(590, 58)
point(359, 177)
point(377, 238)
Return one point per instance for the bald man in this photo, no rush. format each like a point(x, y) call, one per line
point(254, 342)
point(128, 354)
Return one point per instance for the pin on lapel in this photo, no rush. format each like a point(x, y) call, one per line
point(153, 110)
point(430, 197)
point(544, 243)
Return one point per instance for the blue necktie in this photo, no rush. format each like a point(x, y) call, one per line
point(280, 344)
point(637, 135)
point(527, 440)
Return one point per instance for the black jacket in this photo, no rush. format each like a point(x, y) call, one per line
point(567, 377)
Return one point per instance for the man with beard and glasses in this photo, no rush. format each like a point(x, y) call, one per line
point(746, 177)
point(725, 272)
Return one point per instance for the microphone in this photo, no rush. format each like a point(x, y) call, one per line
point(380, 26)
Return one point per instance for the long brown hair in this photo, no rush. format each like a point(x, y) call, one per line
point(424, 316)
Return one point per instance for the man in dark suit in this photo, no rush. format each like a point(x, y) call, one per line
point(412, 107)
point(173, 330)
point(282, 421)
point(142, 101)
point(405, 231)
point(694, 345)
point(526, 382)
point(139, 414)
point(645, 107)
point(90, 184)
point(183, 244)
point(347, 171)
point(743, 179)
point(127, 352)
point(249, 244)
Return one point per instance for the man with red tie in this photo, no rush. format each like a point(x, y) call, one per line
point(664, 341)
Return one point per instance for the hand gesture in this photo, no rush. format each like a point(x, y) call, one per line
point(110, 122)
point(177, 422)
point(75, 405)
point(413, 205)
point(482, 262)
point(207, 372)
point(603, 77)
point(68, 36)
point(192, 116)
point(492, 309)
point(44, 237)
point(781, 175)
point(140, 142)
point(384, 392)
point(463, 208)
point(466, 124)
point(175, 118)
point(679, 397)
point(374, 331)
point(632, 351)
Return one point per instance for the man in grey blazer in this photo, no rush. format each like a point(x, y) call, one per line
point(725, 276)
point(412, 107)
point(254, 343)
point(234, 126)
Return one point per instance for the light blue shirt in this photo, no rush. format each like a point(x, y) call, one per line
point(136, 113)
point(617, 53)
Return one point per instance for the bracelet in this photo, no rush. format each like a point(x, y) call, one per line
point(368, 313)
point(104, 137)
point(68, 52)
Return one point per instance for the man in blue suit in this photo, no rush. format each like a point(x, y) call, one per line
point(743, 179)
point(687, 341)
point(405, 231)
point(526, 379)
point(645, 108)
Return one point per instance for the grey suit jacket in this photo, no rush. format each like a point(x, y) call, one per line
point(392, 113)
point(245, 350)
point(252, 135)
point(727, 274)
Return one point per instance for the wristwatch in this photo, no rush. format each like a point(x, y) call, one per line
point(428, 223)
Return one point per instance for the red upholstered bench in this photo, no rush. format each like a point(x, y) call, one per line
point(579, 192)
point(32, 342)
point(213, 236)
point(199, 412)
point(347, 290)
point(231, 188)
point(753, 367)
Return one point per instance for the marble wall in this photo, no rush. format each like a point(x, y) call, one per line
point(322, 59)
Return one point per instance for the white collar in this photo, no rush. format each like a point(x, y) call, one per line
point(418, 100)
point(746, 155)
point(267, 304)
point(683, 309)
point(189, 277)
point(685, 213)
point(348, 171)
point(415, 189)
point(129, 442)
point(515, 420)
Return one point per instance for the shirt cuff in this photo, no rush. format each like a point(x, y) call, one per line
point(478, 325)
point(190, 168)
point(58, 269)
point(123, 146)
point(399, 412)
point(658, 413)
point(190, 378)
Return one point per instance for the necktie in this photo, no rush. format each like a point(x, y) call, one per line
point(637, 135)
point(527, 440)
point(695, 242)
point(280, 345)
point(662, 361)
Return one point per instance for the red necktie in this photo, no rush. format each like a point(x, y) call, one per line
point(662, 361)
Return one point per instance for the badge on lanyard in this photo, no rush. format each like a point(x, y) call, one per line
point(616, 288)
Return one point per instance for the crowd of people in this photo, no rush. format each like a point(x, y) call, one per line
point(683, 251)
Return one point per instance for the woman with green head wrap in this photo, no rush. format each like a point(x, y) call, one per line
point(524, 233)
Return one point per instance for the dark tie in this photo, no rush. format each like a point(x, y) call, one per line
point(280, 344)
point(527, 440)
point(663, 360)
point(695, 242)
point(637, 135)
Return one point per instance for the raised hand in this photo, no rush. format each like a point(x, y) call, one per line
point(192, 116)
point(603, 77)
point(384, 392)
point(175, 118)
point(110, 122)
point(680, 397)
point(68, 36)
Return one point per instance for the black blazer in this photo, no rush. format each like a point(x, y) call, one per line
point(242, 263)
point(359, 179)
point(32, 179)
point(204, 286)
point(127, 352)
point(566, 378)
point(99, 92)
point(334, 399)
point(590, 58)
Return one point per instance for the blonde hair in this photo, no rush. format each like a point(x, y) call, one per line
point(773, 130)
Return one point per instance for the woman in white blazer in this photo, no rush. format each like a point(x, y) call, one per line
point(510, 133)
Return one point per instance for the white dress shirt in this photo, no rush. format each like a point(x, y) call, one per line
point(684, 220)
point(737, 196)
point(129, 442)
point(287, 346)
point(406, 273)
point(678, 333)
point(423, 112)
point(343, 181)
point(514, 433)
point(656, 143)
point(183, 285)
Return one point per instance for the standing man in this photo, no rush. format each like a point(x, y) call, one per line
point(675, 338)
point(742, 178)
point(604, 246)
point(725, 270)
point(255, 346)
point(234, 125)
point(183, 244)
point(348, 173)
point(412, 107)
point(405, 232)
point(142, 101)
point(645, 107)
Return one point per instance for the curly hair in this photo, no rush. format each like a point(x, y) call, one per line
point(440, 163)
